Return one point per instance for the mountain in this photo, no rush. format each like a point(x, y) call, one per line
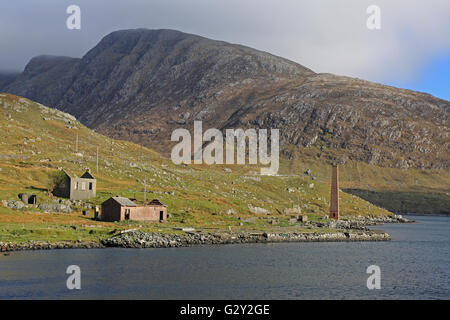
point(140, 85)
point(6, 78)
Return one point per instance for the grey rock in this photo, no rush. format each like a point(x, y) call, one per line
point(258, 210)
point(139, 69)
point(55, 207)
point(14, 204)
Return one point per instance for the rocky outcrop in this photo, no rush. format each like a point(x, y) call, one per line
point(360, 223)
point(138, 239)
point(257, 210)
point(57, 206)
point(13, 204)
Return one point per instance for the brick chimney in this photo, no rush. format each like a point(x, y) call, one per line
point(334, 203)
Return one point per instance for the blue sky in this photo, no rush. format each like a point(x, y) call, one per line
point(411, 50)
point(434, 78)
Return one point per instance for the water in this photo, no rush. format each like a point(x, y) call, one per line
point(415, 265)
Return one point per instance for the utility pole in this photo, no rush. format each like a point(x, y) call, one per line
point(145, 191)
point(97, 160)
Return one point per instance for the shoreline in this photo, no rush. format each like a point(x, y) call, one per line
point(346, 231)
point(141, 240)
point(427, 214)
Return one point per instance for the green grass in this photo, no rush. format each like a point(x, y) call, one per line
point(33, 148)
point(18, 233)
point(400, 190)
point(407, 202)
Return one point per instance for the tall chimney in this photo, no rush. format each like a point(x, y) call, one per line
point(334, 205)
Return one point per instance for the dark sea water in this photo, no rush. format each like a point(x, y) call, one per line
point(415, 265)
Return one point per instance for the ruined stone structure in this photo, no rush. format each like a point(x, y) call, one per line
point(76, 188)
point(334, 203)
point(119, 208)
point(28, 199)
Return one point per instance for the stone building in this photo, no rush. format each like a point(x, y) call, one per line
point(119, 209)
point(75, 188)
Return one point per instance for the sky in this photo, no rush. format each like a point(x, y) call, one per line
point(411, 49)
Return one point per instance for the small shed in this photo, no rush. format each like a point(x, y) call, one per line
point(117, 209)
point(120, 208)
point(157, 210)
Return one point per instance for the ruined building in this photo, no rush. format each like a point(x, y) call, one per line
point(75, 188)
point(119, 208)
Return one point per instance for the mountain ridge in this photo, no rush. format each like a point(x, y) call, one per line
point(140, 85)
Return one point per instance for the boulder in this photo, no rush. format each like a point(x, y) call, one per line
point(55, 207)
point(257, 210)
point(295, 209)
point(13, 204)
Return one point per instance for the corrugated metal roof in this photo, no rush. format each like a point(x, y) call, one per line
point(156, 202)
point(124, 201)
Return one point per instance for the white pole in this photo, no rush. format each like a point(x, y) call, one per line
point(97, 160)
point(145, 191)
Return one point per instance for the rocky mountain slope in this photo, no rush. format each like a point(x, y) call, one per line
point(6, 78)
point(140, 85)
point(37, 141)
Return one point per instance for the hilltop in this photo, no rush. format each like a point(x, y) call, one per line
point(37, 141)
point(140, 85)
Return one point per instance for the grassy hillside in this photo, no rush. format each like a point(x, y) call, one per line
point(398, 190)
point(36, 141)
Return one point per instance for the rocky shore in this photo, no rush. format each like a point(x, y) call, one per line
point(43, 245)
point(355, 230)
point(360, 223)
point(138, 239)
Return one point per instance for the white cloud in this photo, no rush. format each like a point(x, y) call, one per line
point(325, 35)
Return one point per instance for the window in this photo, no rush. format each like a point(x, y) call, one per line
point(76, 185)
point(90, 185)
point(83, 186)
